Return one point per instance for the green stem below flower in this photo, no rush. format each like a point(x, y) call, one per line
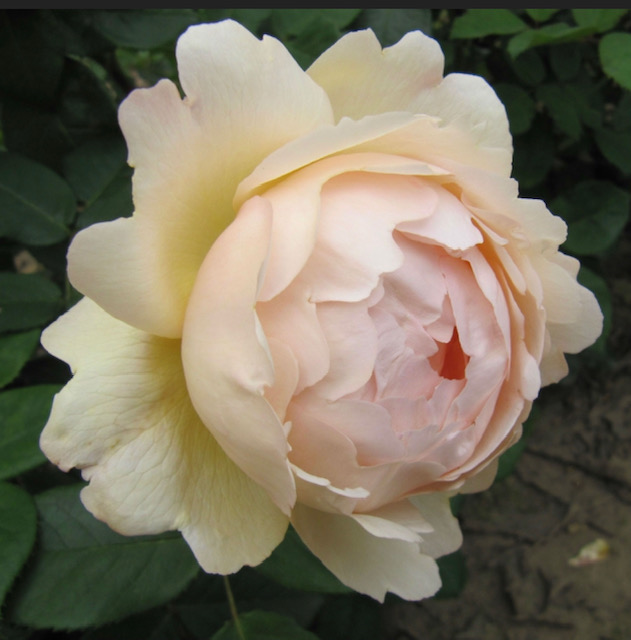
point(233, 608)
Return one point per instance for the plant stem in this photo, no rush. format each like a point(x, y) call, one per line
point(233, 608)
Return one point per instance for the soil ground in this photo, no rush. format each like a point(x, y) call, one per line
point(571, 487)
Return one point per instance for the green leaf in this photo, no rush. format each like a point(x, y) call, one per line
point(621, 120)
point(550, 34)
point(318, 35)
point(23, 414)
point(565, 60)
point(598, 286)
point(35, 203)
point(520, 107)
point(18, 525)
point(541, 15)
point(35, 131)
point(87, 107)
point(105, 576)
point(615, 56)
point(289, 23)
point(27, 301)
point(616, 147)
point(15, 351)
point(101, 178)
point(563, 112)
point(533, 158)
point(478, 23)
point(588, 100)
point(114, 202)
point(308, 32)
point(600, 19)
point(143, 28)
point(596, 213)
point(529, 68)
point(453, 575)
point(294, 566)
point(390, 25)
point(93, 165)
point(262, 625)
point(340, 18)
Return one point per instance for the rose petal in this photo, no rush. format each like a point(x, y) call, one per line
point(362, 79)
point(352, 340)
point(468, 103)
point(189, 156)
point(449, 225)
point(291, 319)
point(306, 212)
point(151, 463)
point(226, 359)
point(446, 536)
point(285, 377)
point(366, 563)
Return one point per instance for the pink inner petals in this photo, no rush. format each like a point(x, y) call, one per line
point(405, 341)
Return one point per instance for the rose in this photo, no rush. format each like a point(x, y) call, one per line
point(330, 307)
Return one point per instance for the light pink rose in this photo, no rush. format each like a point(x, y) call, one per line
point(330, 308)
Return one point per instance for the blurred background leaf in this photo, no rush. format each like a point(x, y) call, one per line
point(17, 532)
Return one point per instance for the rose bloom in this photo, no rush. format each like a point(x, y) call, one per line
point(329, 308)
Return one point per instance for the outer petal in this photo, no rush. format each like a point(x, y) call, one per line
point(366, 563)
point(417, 138)
point(151, 463)
point(226, 357)
point(468, 103)
point(446, 536)
point(245, 98)
point(362, 79)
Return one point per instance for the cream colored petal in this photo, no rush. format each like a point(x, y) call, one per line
point(320, 493)
point(362, 79)
point(469, 104)
point(446, 536)
point(244, 99)
point(326, 141)
point(366, 563)
point(447, 145)
point(585, 327)
point(385, 528)
point(226, 358)
point(482, 480)
point(126, 420)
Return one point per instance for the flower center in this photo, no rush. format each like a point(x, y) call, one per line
point(450, 360)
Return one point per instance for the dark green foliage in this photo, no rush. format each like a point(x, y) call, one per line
point(565, 79)
point(106, 576)
point(294, 566)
